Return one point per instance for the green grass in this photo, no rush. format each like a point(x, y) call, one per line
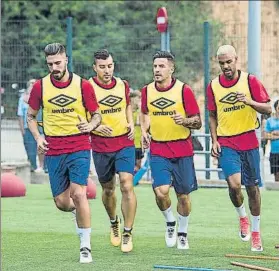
point(36, 236)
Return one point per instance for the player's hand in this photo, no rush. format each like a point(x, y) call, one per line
point(145, 140)
point(215, 161)
point(178, 119)
point(216, 149)
point(131, 130)
point(241, 97)
point(84, 126)
point(42, 145)
point(104, 130)
point(275, 133)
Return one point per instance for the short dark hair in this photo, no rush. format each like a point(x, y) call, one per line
point(101, 54)
point(163, 54)
point(276, 104)
point(54, 49)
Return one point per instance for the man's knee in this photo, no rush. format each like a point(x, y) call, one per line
point(235, 187)
point(63, 204)
point(126, 187)
point(253, 192)
point(109, 188)
point(78, 194)
point(234, 182)
point(108, 191)
point(126, 182)
point(161, 193)
point(183, 199)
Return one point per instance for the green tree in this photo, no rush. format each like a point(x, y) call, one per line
point(126, 28)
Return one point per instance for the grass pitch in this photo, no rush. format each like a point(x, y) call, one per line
point(38, 237)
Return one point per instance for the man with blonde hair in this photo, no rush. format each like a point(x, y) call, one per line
point(234, 98)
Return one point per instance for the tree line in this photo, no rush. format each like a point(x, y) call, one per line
point(126, 28)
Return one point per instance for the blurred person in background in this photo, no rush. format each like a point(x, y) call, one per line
point(41, 156)
point(30, 143)
point(264, 141)
point(135, 100)
point(274, 98)
point(272, 134)
point(2, 90)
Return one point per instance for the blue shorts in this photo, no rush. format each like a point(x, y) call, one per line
point(180, 172)
point(66, 168)
point(139, 153)
point(245, 162)
point(109, 163)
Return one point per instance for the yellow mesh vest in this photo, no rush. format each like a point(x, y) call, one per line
point(112, 104)
point(61, 107)
point(162, 105)
point(234, 118)
point(137, 132)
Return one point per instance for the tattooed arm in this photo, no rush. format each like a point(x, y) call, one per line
point(194, 122)
point(33, 127)
point(193, 119)
point(96, 119)
point(32, 122)
point(86, 127)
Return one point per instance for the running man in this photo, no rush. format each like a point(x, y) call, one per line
point(272, 134)
point(234, 98)
point(169, 111)
point(113, 147)
point(135, 99)
point(66, 99)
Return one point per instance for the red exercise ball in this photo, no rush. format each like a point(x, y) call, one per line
point(91, 189)
point(12, 186)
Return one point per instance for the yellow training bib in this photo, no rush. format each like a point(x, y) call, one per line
point(112, 103)
point(137, 132)
point(162, 105)
point(61, 107)
point(233, 117)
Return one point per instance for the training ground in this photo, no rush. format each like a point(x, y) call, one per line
point(38, 237)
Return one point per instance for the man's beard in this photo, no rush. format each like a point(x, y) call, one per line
point(107, 78)
point(230, 77)
point(59, 77)
point(160, 80)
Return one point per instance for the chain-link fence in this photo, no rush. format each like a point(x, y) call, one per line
point(23, 59)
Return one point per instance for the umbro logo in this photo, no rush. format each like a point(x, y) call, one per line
point(232, 100)
point(62, 100)
point(229, 98)
point(162, 103)
point(111, 100)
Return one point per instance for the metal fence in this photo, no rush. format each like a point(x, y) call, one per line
point(23, 59)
